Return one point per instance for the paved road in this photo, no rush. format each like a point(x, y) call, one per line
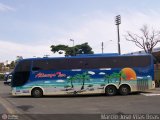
point(3, 109)
point(87, 105)
point(99, 104)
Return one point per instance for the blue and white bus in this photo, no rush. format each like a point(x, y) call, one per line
point(83, 74)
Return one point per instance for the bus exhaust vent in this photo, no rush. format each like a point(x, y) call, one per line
point(142, 85)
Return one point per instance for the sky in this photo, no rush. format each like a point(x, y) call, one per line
point(29, 27)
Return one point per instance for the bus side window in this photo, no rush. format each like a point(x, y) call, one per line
point(39, 65)
point(57, 64)
point(36, 68)
point(75, 63)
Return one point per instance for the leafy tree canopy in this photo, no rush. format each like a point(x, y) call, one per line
point(11, 65)
point(72, 51)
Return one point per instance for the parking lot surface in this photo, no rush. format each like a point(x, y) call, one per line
point(136, 103)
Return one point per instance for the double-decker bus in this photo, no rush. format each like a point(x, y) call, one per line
point(83, 74)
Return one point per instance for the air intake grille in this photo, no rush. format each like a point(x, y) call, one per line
point(142, 85)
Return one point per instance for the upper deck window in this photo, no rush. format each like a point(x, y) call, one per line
point(92, 63)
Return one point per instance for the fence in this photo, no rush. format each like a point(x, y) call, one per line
point(157, 77)
point(157, 74)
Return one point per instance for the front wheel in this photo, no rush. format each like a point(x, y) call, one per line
point(111, 90)
point(37, 92)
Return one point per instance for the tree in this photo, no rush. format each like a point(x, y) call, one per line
point(82, 78)
point(12, 65)
point(71, 80)
point(57, 48)
point(1, 66)
point(107, 78)
point(146, 41)
point(72, 51)
point(119, 76)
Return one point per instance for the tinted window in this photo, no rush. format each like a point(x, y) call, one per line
point(51, 64)
point(23, 66)
point(57, 64)
point(21, 73)
point(39, 65)
point(92, 63)
point(118, 62)
point(79, 63)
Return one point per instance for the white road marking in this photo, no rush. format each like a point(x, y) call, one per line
point(150, 94)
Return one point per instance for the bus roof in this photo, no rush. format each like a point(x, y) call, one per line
point(88, 56)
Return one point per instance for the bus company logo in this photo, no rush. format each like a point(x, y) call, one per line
point(44, 75)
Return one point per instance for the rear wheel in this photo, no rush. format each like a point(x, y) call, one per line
point(124, 90)
point(111, 90)
point(37, 92)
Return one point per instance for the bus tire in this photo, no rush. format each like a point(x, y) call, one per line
point(124, 89)
point(37, 92)
point(111, 90)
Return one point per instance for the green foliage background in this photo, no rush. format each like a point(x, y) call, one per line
point(72, 51)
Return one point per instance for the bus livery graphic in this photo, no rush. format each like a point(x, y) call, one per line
point(43, 75)
point(83, 75)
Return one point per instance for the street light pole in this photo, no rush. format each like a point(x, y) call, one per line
point(72, 41)
point(102, 47)
point(46, 56)
point(74, 52)
point(118, 22)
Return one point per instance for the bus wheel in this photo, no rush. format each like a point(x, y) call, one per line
point(37, 92)
point(124, 90)
point(110, 90)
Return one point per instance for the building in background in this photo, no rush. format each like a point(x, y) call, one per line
point(156, 53)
